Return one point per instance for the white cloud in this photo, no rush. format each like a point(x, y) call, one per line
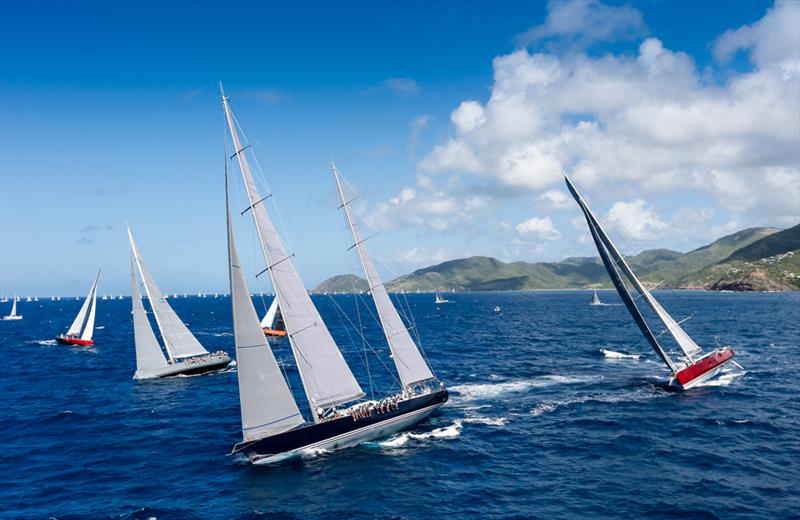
point(468, 116)
point(554, 199)
point(402, 86)
point(451, 156)
point(635, 220)
point(539, 228)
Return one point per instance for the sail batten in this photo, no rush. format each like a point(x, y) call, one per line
point(178, 339)
point(685, 343)
point(327, 380)
point(411, 366)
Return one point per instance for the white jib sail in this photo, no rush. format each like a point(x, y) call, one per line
point(411, 366)
point(178, 339)
point(269, 318)
point(686, 343)
point(77, 324)
point(14, 307)
point(88, 329)
point(266, 401)
point(327, 379)
point(148, 353)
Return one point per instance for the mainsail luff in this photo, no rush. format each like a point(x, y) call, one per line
point(178, 339)
point(411, 366)
point(148, 352)
point(685, 343)
point(266, 402)
point(77, 324)
point(88, 329)
point(327, 380)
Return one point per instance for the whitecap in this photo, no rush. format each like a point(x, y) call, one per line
point(46, 342)
point(446, 432)
point(618, 355)
point(488, 421)
point(475, 391)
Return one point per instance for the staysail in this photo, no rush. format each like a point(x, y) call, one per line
point(411, 366)
point(77, 325)
point(180, 342)
point(148, 352)
point(686, 344)
point(267, 405)
point(326, 377)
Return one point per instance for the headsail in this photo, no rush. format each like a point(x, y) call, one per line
point(88, 329)
point(77, 324)
point(686, 344)
point(269, 318)
point(326, 377)
point(409, 361)
point(267, 405)
point(148, 353)
point(180, 342)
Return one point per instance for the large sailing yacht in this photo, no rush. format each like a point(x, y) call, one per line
point(82, 328)
point(273, 427)
point(694, 367)
point(186, 355)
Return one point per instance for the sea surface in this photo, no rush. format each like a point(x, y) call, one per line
point(540, 423)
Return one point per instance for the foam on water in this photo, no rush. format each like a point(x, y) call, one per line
point(724, 379)
point(446, 432)
point(618, 355)
point(478, 391)
point(45, 342)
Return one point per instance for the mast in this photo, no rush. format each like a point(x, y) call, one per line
point(410, 364)
point(266, 402)
point(327, 380)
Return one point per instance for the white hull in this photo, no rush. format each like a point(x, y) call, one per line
point(193, 365)
point(12, 318)
point(355, 437)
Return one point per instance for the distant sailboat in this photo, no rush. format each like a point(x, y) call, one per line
point(596, 299)
point(82, 328)
point(695, 367)
point(186, 355)
point(4, 300)
point(29, 299)
point(272, 323)
point(439, 299)
point(13, 316)
point(272, 425)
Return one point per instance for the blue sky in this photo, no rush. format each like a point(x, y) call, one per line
point(449, 118)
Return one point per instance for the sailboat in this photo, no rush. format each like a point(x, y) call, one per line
point(694, 367)
point(185, 354)
point(82, 328)
point(439, 299)
point(273, 427)
point(596, 299)
point(13, 316)
point(272, 323)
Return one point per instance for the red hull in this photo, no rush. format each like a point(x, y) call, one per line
point(75, 341)
point(690, 373)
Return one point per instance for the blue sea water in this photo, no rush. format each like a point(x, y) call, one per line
point(540, 423)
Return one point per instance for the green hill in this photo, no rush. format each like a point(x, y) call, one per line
point(774, 244)
point(342, 283)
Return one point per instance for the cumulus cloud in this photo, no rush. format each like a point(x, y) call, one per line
point(648, 121)
point(636, 220)
point(539, 228)
point(554, 199)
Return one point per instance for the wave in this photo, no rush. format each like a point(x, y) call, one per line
point(45, 342)
point(100, 327)
point(635, 395)
point(618, 355)
point(475, 391)
point(446, 432)
point(488, 421)
point(723, 379)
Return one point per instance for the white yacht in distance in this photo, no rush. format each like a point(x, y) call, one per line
point(596, 299)
point(273, 428)
point(695, 367)
point(439, 299)
point(186, 355)
point(13, 316)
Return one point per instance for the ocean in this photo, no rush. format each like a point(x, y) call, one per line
point(540, 423)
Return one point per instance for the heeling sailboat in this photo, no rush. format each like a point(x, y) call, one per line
point(13, 316)
point(186, 355)
point(272, 323)
point(82, 328)
point(695, 367)
point(272, 426)
point(438, 299)
point(596, 299)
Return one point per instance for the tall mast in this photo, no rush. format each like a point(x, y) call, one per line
point(410, 364)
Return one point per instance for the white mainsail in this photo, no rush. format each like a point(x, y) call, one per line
point(88, 329)
point(327, 379)
point(77, 325)
point(14, 307)
point(269, 318)
point(178, 339)
point(267, 405)
point(686, 343)
point(411, 366)
point(148, 352)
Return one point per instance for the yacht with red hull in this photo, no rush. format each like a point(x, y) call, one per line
point(80, 332)
point(695, 367)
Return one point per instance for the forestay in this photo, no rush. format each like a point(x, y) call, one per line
point(180, 342)
point(267, 405)
point(148, 353)
point(411, 366)
point(686, 344)
point(326, 377)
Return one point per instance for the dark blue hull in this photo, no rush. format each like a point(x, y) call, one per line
point(344, 431)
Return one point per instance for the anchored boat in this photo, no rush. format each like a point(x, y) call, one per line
point(273, 427)
point(694, 367)
point(186, 356)
point(82, 328)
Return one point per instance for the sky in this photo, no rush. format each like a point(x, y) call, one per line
point(680, 122)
